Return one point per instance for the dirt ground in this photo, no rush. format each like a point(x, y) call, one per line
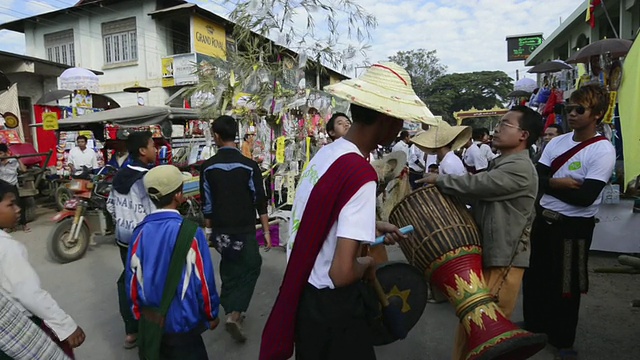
point(609, 327)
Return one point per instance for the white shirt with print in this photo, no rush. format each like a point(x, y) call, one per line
point(451, 164)
point(356, 221)
point(595, 162)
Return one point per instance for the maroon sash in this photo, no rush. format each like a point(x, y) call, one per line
point(332, 192)
point(557, 163)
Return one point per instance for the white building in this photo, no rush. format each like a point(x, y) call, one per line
point(574, 33)
point(131, 41)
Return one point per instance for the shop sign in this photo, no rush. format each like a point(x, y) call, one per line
point(178, 70)
point(521, 46)
point(209, 38)
point(50, 121)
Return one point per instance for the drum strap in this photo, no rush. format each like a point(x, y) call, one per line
point(524, 238)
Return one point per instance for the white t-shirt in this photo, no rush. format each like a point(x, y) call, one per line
point(431, 159)
point(470, 155)
point(79, 158)
point(595, 162)
point(357, 219)
point(451, 164)
point(9, 171)
point(401, 146)
point(478, 156)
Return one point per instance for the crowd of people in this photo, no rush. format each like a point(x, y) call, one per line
point(536, 222)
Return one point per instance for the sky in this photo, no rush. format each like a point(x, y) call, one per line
point(468, 35)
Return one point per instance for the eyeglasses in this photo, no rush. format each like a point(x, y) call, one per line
point(503, 124)
point(578, 108)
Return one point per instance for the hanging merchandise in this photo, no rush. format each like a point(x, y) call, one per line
point(291, 185)
point(614, 79)
point(280, 150)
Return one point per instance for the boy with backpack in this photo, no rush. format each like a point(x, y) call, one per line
point(128, 204)
point(169, 275)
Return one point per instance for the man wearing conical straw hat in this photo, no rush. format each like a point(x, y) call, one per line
point(443, 140)
point(333, 214)
point(503, 204)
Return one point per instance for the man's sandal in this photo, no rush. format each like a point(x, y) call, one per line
point(233, 328)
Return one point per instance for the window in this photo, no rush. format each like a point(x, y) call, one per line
point(120, 41)
point(60, 48)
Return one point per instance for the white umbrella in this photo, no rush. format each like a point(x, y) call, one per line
point(525, 84)
point(79, 79)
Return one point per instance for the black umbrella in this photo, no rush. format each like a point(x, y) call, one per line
point(550, 67)
point(53, 95)
point(615, 47)
point(136, 89)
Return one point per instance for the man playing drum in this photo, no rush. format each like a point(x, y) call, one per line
point(320, 303)
point(503, 205)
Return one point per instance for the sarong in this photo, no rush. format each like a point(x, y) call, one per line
point(239, 277)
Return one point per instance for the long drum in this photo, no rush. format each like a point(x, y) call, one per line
point(446, 247)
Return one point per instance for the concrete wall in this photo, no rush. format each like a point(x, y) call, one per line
point(89, 48)
point(628, 12)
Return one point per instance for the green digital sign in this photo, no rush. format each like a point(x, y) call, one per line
point(520, 47)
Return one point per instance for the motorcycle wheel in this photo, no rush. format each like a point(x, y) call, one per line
point(59, 247)
point(62, 195)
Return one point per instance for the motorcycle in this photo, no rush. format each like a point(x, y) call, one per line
point(84, 218)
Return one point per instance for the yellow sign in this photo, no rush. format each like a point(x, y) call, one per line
point(167, 72)
point(280, 147)
point(50, 121)
point(209, 38)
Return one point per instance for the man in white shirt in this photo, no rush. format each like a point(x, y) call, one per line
point(443, 140)
point(468, 157)
point(403, 143)
point(479, 154)
point(573, 170)
point(81, 157)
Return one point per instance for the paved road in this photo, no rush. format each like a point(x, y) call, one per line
point(86, 289)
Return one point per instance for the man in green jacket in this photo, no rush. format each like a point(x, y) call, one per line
point(503, 205)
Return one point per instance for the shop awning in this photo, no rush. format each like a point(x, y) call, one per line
point(133, 116)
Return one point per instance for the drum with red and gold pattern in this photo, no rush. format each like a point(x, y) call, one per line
point(445, 247)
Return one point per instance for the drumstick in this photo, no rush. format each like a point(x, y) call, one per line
point(404, 230)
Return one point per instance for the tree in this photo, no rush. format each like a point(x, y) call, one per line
point(323, 31)
point(423, 66)
point(456, 92)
